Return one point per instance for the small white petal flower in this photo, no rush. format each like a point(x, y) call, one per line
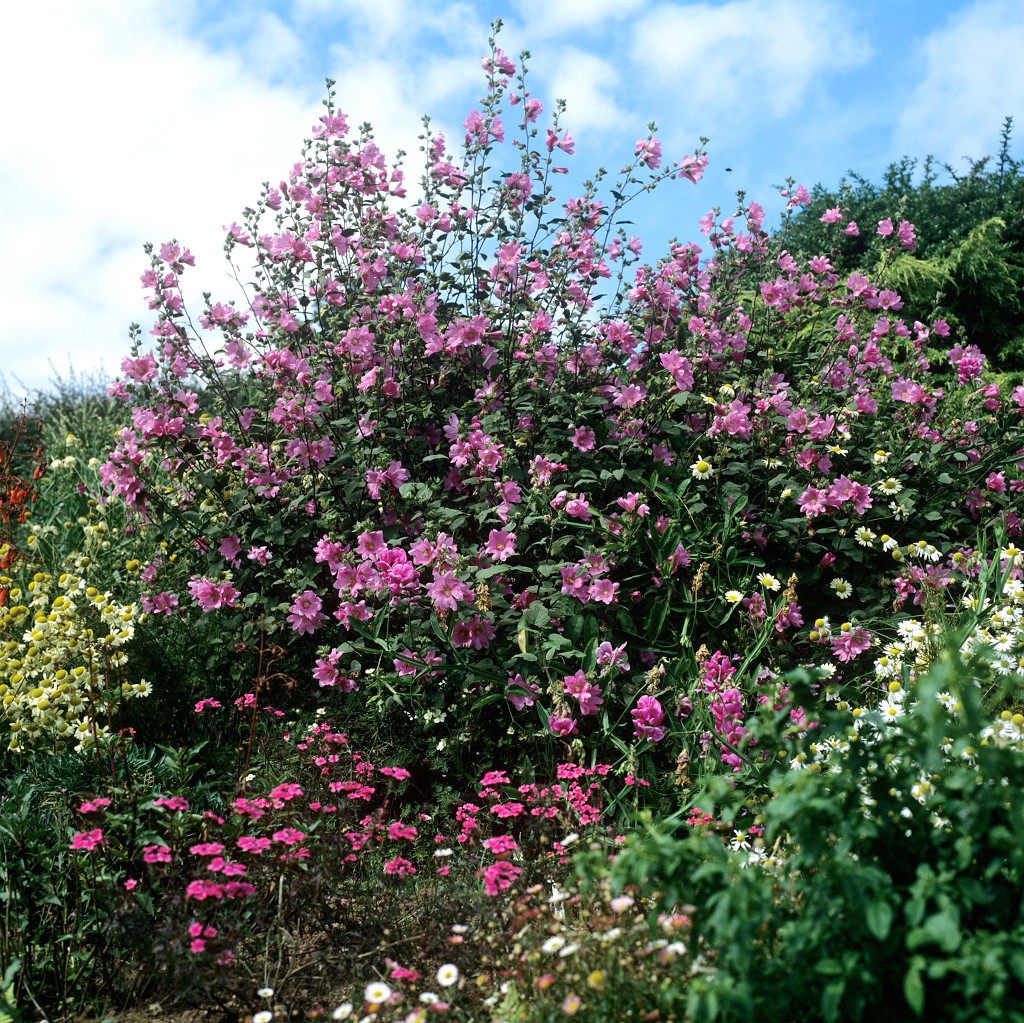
point(377, 992)
point(447, 975)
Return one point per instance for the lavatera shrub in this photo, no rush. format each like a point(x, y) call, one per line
point(469, 462)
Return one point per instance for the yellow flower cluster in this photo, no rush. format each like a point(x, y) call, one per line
point(62, 648)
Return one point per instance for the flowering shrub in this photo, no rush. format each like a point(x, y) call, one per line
point(473, 460)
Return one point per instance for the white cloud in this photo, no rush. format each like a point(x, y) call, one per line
point(543, 18)
point(373, 22)
point(972, 77)
point(589, 85)
point(747, 59)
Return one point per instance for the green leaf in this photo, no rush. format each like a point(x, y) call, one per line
point(913, 990)
point(656, 620)
point(831, 998)
point(942, 929)
point(536, 615)
point(879, 919)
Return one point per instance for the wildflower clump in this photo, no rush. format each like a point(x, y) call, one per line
point(63, 650)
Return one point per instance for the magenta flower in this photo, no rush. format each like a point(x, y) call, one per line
point(399, 867)
point(171, 803)
point(501, 845)
point(92, 805)
point(562, 726)
point(501, 544)
point(207, 849)
point(284, 793)
point(850, 643)
point(603, 591)
point(88, 840)
point(397, 831)
point(583, 438)
point(305, 615)
point(499, 876)
point(253, 844)
point(202, 890)
point(647, 719)
point(210, 595)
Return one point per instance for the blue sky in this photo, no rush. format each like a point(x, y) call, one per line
point(129, 121)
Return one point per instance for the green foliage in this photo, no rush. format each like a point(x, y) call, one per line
point(968, 265)
point(889, 887)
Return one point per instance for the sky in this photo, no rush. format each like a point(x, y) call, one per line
point(127, 121)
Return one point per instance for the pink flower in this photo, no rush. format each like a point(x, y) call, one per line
point(587, 693)
point(305, 615)
point(603, 591)
point(692, 168)
point(171, 802)
point(578, 508)
point(649, 152)
point(399, 867)
point(562, 726)
point(159, 603)
point(519, 700)
point(88, 840)
point(230, 548)
point(647, 719)
point(850, 643)
point(477, 633)
point(156, 854)
point(210, 595)
point(289, 836)
point(501, 544)
point(399, 831)
point(91, 806)
point(812, 501)
point(885, 227)
point(207, 849)
point(499, 876)
point(583, 438)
